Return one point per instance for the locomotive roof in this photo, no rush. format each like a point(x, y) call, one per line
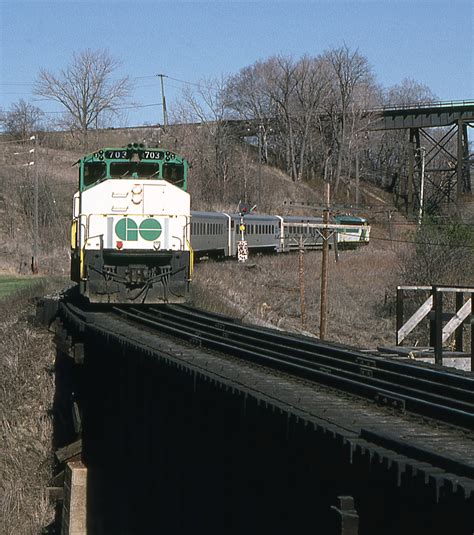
point(126, 152)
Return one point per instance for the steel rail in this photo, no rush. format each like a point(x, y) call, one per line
point(409, 371)
point(347, 364)
point(442, 395)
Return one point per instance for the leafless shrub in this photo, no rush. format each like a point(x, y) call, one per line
point(266, 290)
point(26, 395)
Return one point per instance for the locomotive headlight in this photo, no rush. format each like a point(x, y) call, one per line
point(156, 245)
point(137, 189)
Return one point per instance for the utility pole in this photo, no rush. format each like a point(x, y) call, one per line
point(163, 100)
point(34, 260)
point(260, 149)
point(301, 278)
point(324, 265)
point(422, 185)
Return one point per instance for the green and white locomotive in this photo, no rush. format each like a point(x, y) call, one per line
point(130, 239)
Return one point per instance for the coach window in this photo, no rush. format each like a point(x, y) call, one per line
point(174, 173)
point(93, 172)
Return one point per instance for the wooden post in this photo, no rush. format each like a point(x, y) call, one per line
point(74, 517)
point(347, 517)
point(433, 320)
point(324, 266)
point(458, 333)
point(438, 306)
point(301, 277)
point(336, 248)
point(399, 312)
point(472, 331)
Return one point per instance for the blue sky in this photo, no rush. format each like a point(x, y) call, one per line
point(429, 41)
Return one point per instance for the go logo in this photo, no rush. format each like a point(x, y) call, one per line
point(128, 230)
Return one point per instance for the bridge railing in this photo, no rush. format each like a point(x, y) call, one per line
point(424, 105)
point(433, 309)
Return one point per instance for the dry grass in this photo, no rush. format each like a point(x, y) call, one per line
point(26, 398)
point(266, 291)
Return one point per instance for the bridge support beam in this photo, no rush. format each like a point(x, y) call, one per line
point(446, 166)
point(347, 517)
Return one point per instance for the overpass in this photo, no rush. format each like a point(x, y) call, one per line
point(455, 116)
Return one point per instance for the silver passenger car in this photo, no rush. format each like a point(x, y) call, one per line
point(210, 234)
point(295, 227)
point(217, 233)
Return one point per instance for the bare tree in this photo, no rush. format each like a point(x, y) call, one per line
point(388, 155)
point(349, 70)
point(86, 88)
point(311, 91)
point(21, 119)
point(409, 92)
point(207, 104)
point(247, 93)
point(281, 83)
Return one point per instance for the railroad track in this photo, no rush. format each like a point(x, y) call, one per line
point(422, 389)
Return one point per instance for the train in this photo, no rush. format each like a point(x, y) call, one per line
point(218, 233)
point(134, 238)
point(130, 236)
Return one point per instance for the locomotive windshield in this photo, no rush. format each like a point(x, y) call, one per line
point(138, 169)
point(174, 173)
point(133, 161)
point(93, 172)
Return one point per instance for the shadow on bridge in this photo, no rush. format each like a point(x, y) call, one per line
point(170, 452)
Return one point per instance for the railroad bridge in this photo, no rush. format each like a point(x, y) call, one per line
point(192, 422)
point(456, 117)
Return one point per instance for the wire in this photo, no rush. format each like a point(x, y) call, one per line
point(183, 81)
point(118, 109)
point(451, 246)
point(14, 141)
point(14, 83)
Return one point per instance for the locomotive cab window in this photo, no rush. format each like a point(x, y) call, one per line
point(174, 173)
point(134, 169)
point(93, 172)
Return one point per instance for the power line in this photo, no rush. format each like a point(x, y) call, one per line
point(14, 141)
point(183, 81)
point(117, 109)
point(451, 246)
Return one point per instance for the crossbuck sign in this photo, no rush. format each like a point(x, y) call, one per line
point(242, 251)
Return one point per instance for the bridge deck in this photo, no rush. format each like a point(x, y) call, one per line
point(387, 437)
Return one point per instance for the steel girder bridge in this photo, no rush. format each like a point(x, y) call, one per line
point(449, 181)
point(452, 178)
